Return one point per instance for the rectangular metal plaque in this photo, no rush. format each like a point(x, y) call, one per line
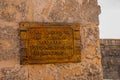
point(49, 43)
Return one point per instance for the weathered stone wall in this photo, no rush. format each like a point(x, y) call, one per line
point(85, 12)
point(110, 49)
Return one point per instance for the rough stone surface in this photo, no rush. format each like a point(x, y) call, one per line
point(66, 11)
point(110, 49)
point(85, 12)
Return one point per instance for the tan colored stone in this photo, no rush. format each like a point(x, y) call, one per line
point(1, 75)
point(6, 45)
point(85, 12)
point(12, 10)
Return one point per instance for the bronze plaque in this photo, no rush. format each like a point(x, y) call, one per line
point(49, 43)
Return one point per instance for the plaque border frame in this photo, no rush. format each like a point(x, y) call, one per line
point(24, 26)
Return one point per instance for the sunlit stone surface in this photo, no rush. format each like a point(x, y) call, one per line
point(85, 12)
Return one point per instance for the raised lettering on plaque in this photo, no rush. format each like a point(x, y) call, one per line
point(49, 43)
